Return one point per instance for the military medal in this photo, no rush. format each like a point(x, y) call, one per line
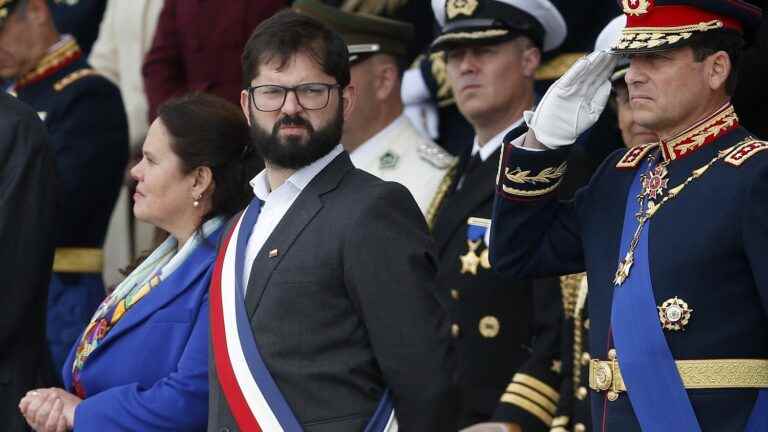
point(674, 314)
point(470, 261)
point(654, 182)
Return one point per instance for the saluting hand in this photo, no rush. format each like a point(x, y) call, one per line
point(574, 102)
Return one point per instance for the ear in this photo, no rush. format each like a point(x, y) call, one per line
point(718, 69)
point(386, 79)
point(348, 99)
point(244, 104)
point(202, 181)
point(530, 61)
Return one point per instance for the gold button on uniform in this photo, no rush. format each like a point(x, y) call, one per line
point(455, 330)
point(489, 326)
point(581, 393)
point(455, 294)
point(585, 358)
point(579, 427)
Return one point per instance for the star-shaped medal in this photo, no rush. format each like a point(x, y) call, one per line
point(655, 182)
point(470, 261)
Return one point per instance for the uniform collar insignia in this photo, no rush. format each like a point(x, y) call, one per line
point(453, 8)
point(388, 160)
point(701, 133)
point(56, 60)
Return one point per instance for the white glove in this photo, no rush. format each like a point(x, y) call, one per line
point(573, 103)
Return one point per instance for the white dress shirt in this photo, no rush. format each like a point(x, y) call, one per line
point(277, 202)
point(494, 143)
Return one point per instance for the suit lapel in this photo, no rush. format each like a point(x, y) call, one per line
point(301, 213)
point(477, 189)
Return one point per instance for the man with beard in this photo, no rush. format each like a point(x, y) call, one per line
point(323, 313)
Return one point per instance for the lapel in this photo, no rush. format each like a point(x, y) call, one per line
point(186, 275)
point(301, 213)
point(478, 188)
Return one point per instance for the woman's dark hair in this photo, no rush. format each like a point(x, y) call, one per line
point(288, 33)
point(209, 131)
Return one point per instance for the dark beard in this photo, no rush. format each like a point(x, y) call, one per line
point(290, 152)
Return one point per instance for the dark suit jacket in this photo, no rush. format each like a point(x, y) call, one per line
point(197, 47)
point(348, 308)
point(26, 235)
point(529, 320)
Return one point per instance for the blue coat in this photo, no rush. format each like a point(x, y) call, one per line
point(150, 373)
point(707, 247)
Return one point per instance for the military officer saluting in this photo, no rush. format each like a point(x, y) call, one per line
point(672, 234)
point(86, 122)
point(506, 331)
point(378, 136)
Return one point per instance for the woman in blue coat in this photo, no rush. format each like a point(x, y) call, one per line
point(142, 362)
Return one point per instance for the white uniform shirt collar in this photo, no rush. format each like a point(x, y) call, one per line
point(299, 180)
point(371, 149)
point(491, 146)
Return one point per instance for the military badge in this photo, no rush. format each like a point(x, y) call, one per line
point(470, 261)
point(476, 228)
point(636, 7)
point(388, 160)
point(674, 314)
point(453, 8)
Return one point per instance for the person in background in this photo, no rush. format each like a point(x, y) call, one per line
point(125, 36)
point(142, 362)
point(505, 330)
point(573, 411)
point(86, 122)
point(27, 218)
point(379, 138)
point(197, 47)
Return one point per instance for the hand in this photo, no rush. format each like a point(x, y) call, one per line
point(574, 102)
point(49, 410)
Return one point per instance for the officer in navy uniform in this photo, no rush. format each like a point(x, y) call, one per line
point(671, 234)
point(88, 130)
point(506, 332)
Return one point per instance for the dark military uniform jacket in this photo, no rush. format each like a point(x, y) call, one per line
point(506, 333)
point(706, 247)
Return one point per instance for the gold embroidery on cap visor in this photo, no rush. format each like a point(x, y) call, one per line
point(639, 39)
point(469, 35)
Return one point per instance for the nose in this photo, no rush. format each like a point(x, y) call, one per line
point(467, 63)
point(136, 171)
point(636, 72)
point(291, 105)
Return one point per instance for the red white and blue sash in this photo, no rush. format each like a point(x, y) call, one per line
point(252, 394)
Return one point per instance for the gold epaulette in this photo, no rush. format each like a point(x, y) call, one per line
point(557, 67)
point(533, 396)
point(635, 155)
point(74, 76)
point(745, 150)
point(442, 191)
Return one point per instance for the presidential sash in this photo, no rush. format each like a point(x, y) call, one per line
point(653, 383)
point(254, 399)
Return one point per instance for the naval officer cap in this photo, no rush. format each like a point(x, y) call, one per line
point(6, 9)
point(364, 34)
point(607, 38)
point(493, 21)
point(658, 25)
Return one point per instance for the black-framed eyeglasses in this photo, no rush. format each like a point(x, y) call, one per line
point(311, 96)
